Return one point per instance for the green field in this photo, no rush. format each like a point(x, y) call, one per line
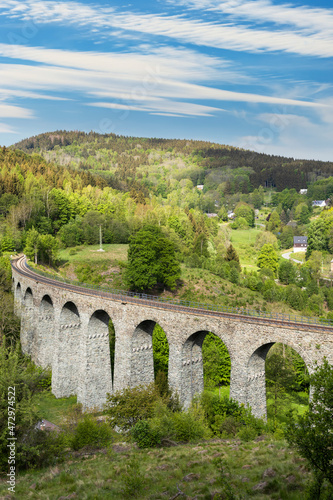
point(243, 240)
point(91, 255)
point(265, 469)
point(51, 408)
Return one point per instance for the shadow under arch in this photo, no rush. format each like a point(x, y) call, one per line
point(192, 378)
point(45, 331)
point(67, 360)
point(256, 396)
point(69, 315)
point(98, 366)
point(149, 353)
point(28, 324)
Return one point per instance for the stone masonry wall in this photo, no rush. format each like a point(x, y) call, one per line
point(78, 345)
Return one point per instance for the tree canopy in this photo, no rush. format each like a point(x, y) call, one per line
point(151, 260)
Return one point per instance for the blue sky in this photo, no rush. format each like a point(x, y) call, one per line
point(256, 74)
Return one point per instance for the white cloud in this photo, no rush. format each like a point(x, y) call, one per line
point(163, 106)
point(9, 111)
point(314, 40)
point(291, 135)
point(157, 83)
point(261, 11)
point(6, 129)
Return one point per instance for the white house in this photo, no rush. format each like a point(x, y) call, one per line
point(319, 203)
point(300, 244)
point(303, 191)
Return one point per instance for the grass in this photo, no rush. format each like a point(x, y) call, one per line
point(53, 409)
point(90, 254)
point(243, 240)
point(264, 469)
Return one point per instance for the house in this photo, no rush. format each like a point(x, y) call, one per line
point(303, 191)
point(211, 215)
point(300, 244)
point(200, 187)
point(319, 203)
point(231, 214)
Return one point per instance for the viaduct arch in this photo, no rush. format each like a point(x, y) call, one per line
point(66, 327)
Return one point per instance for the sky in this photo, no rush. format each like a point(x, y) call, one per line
point(255, 74)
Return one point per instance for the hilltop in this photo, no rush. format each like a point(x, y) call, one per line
point(153, 164)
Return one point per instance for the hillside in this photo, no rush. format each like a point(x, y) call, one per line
point(156, 164)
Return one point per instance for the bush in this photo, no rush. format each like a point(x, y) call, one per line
point(125, 408)
point(41, 449)
point(144, 435)
point(190, 425)
point(91, 433)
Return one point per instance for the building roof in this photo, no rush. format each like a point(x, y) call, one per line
point(300, 240)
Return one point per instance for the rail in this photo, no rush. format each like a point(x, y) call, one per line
point(289, 319)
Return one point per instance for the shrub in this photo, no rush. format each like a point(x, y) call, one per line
point(190, 425)
point(91, 433)
point(41, 448)
point(144, 435)
point(125, 408)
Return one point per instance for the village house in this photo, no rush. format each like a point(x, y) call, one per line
point(300, 244)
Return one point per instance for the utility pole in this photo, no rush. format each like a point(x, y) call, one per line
point(100, 239)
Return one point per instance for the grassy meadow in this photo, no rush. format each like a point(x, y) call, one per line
point(221, 468)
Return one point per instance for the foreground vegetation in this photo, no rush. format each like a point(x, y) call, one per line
point(223, 468)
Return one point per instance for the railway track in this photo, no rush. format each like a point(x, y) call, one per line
point(21, 267)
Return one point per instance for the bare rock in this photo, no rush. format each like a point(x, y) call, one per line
point(260, 486)
point(269, 473)
point(191, 477)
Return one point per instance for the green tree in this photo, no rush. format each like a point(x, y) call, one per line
point(160, 350)
point(274, 222)
point(151, 260)
point(302, 214)
point(287, 272)
point(244, 210)
point(216, 361)
point(32, 244)
point(132, 404)
point(268, 258)
point(317, 237)
point(49, 246)
point(280, 379)
point(232, 255)
point(265, 237)
point(311, 433)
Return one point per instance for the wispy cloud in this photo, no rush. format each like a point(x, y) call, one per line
point(9, 111)
point(154, 83)
point(263, 11)
point(316, 41)
point(6, 129)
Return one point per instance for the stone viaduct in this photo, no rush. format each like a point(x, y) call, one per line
point(66, 327)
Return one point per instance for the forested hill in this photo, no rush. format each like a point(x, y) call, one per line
point(18, 170)
point(128, 161)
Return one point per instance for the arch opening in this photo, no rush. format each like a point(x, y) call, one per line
point(69, 314)
point(28, 325)
point(149, 354)
point(100, 342)
point(45, 332)
point(28, 298)
point(67, 360)
point(287, 382)
point(205, 364)
point(277, 380)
